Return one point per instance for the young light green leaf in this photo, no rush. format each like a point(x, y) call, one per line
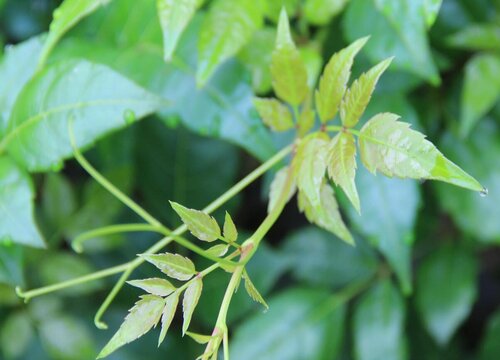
point(477, 37)
point(253, 292)
point(480, 73)
point(154, 286)
point(218, 250)
point(199, 338)
point(174, 265)
point(200, 224)
point(277, 186)
point(67, 15)
point(228, 26)
point(342, 165)
point(320, 12)
point(287, 67)
point(174, 17)
point(333, 81)
point(358, 95)
point(391, 147)
point(230, 232)
point(17, 223)
point(141, 318)
point(306, 118)
point(168, 315)
point(327, 216)
point(189, 302)
point(310, 164)
point(430, 9)
point(99, 100)
point(274, 114)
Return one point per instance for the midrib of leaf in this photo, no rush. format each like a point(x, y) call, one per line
point(38, 117)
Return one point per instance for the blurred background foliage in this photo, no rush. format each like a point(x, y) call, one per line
point(327, 300)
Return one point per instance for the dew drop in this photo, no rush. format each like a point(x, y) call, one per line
point(483, 192)
point(128, 116)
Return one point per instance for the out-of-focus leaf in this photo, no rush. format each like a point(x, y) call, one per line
point(16, 68)
point(200, 224)
point(11, 264)
point(320, 12)
point(168, 315)
point(199, 338)
point(15, 335)
point(190, 301)
point(228, 26)
point(391, 147)
point(379, 324)
point(141, 318)
point(174, 265)
point(58, 200)
point(273, 8)
point(474, 214)
point(430, 9)
point(16, 211)
point(274, 114)
point(445, 291)
point(387, 224)
point(253, 292)
point(277, 186)
point(397, 28)
point(230, 231)
point(154, 286)
point(313, 61)
point(99, 100)
point(481, 90)
point(174, 17)
point(300, 324)
point(320, 260)
point(287, 67)
point(490, 347)
point(477, 37)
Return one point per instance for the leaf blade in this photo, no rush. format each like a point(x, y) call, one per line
point(174, 265)
point(200, 224)
point(189, 302)
point(230, 231)
point(154, 286)
point(167, 316)
point(274, 114)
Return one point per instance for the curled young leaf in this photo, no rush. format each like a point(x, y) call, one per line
point(274, 114)
point(199, 338)
point(253, 292)
point(141, 318)
point(230, 232)
point(277, 186)
point(154, 286)
point(391, 147)
point(168, 315)
point(200, 224)
point(174, 265)
point(189, 302)
point(359, 94)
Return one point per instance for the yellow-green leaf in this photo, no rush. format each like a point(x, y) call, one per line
point(277, 187)
point(174, 265)
point(253, 292)
point(200, 224)
point(189, 302)
point(333, 82)
point(342, 165)
point(174, 17)
point(306, 118)
point(167, 316)
point(288, 71)
point(218, 250)
point(274, 114)
point(391, 147)
point(230, 232)
point(358, 96)
point(154, 286)
point(327, 216)
point(199, 338)
point(141, 318)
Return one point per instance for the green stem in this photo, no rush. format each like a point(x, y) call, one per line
point(109, 230)
point(225, 344)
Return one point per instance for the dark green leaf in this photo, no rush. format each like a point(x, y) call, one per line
point(17, 325)
point(490, 347)
point(477, 37)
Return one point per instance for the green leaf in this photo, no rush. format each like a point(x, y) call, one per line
point(174, 17)
point(385, 222)
point(200, 224)
point(397, 28)
point(58, 201)
point(309, 166)
point(391, 147)
point(320, 12)
point(218, 250)
point(380, 311)
point(16, 324)
point(306, 119)
point(277, 187)
point(359, 94)
point(480, 73)
point(300, 324)
point(273, 8)
point(327, 214)
point(16, 68)
point(230, 232)
point(154, 286)
point(490, 346)
point(287, 67)
point(98, 101)
point(430, 9)
point(174, 265)
point(67, 15)
point(11, 265)
point(199, 338)
point(274, 114)
point(477, 37)
point(167, 316)
point(228, 26)
point(141, 318)
point(333, 81)
point(444, 308)
point(342, 165)
point(189, 302)
point(17, 223)
point(253, 292)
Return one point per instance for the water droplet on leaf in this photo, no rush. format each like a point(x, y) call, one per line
point(128, 116)
point(483, 192)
